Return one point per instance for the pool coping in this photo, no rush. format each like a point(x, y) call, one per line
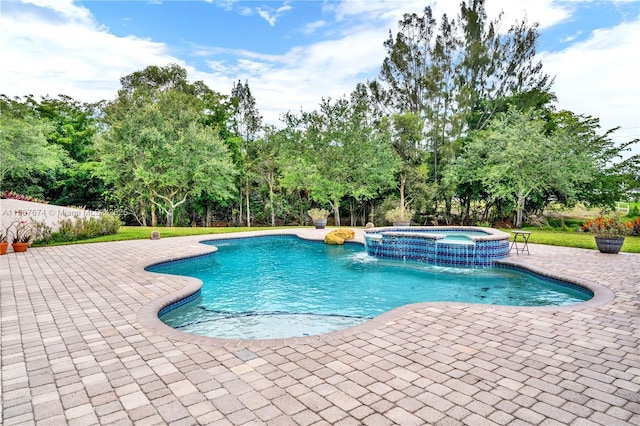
point(148, 314)
point(431, 232)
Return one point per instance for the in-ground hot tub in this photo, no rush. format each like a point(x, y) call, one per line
point(466, 246)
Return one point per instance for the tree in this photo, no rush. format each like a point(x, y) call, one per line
point(447, 74)
point(337, 151)
point(515, 158)
point(246, 121)
point(246, 118)
point(406, 140)
point(73, 128)
point(375, 163)
point(613, 169)
point(159, 145)
point(265, 165)
point(495, 66)
point(402, 83)
point(24, 149)
point(443, 121)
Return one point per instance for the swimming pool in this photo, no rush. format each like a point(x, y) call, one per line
point(283, 286)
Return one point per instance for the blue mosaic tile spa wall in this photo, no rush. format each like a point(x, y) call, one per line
point(421, 247)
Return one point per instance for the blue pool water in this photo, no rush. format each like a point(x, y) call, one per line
point(278, 287)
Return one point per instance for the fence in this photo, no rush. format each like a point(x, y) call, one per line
point(622, 207)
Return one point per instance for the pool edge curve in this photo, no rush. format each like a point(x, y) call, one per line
point(148, 314)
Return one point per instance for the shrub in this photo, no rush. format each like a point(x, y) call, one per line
point(43, 232)
point(399, 215)
point(318, 214)
point(85, 228)
point(607, 227)
point(635, 227)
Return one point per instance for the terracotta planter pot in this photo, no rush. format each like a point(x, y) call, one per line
point(609, 245)
point(20, 247)
point(3, 247)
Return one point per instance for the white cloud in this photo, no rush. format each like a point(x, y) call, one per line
point(546, 12)
point(571, 38)
point(284, 8)
point(69, 55)
point(75, 56)
point(66, 9)
point(599, 77)
point(269, 15)
point(223, 4)
point(271, 19)
point(312, 27)
point(303, 75)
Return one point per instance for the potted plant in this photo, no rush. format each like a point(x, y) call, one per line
point(609, 233)
point(22, 236)
point(400, 216)
point(3, 243)
point(319, 217)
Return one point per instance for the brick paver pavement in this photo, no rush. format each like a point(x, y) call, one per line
point(80, 345)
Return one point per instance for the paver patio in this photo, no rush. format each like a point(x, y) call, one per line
point(80, 344)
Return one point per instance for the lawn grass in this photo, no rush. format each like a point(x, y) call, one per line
point(144, 232)
point(538, 236)
point(575, 239)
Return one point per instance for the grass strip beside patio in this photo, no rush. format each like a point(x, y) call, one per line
point(575, 239)
point(538, 236)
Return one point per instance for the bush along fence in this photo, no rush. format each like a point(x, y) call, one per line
point(25, 222)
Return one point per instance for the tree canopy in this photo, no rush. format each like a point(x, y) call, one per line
point(340, 153)
point(460, 124)
point(158, 145)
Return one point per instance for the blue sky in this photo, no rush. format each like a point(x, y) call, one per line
point(293, 53)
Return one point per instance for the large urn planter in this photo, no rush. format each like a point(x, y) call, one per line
point(320, 223)
point(3, 247)
point(19, 247)
point(609, 245)
point(319, 217)
point(400, 216)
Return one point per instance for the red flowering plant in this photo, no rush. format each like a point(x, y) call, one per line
point(10, 195)
point(635, 227)
point(608, 227)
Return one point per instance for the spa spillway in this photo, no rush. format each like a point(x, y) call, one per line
point(464, 246)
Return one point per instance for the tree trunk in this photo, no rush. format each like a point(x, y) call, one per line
point(240, 212)
point(172, 206)
point(352, 212)
point(335, 205)
point(466, 210)
point(170, 217)
point(447, 210)
point(485, 213)
point(154, 216)
point(520, 209)
point(271, 194)
point(208, 218)
point(246, 194)
point(143, 215)
point(403, 180)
